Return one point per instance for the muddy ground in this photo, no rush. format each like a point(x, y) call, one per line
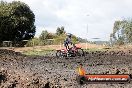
point(21, 71)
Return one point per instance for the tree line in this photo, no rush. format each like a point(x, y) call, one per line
point(48, 38)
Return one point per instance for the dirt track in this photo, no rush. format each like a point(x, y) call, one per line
point(20, 71)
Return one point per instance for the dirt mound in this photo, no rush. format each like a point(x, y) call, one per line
point(115, 53)
point(9, 52)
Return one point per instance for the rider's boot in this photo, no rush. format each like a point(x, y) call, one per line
point(68, 51)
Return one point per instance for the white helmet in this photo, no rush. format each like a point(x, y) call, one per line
point(69, 35)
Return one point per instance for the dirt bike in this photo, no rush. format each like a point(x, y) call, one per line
point(71, 52)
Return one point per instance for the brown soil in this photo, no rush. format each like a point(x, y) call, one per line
point(20, 71)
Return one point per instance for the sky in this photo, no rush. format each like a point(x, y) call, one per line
point(83, 18)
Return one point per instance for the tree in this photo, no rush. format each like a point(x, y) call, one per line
point(128, 31)
point(51, 36)
point(74, 39)
point(43, 35)
point(33, 42)
point(60, 31)
point(16, 21)
point(46, 35)
point(122, 31)
point(117, 37)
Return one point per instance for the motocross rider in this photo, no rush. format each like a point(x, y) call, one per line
point(68, 41)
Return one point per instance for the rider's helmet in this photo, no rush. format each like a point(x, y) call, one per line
point(69, 35)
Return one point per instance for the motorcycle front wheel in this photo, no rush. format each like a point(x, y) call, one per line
point(59, 54)
point(80, 52)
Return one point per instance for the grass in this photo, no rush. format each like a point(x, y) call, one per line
point(38, 52)
point(43, 52)
point(95, 49)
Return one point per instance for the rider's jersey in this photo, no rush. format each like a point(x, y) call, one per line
point(68, 40)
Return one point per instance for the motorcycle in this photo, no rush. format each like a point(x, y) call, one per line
point(71, 52)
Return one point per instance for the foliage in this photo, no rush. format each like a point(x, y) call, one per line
point(120, 41)
point(74, 39)
point(122, 32)
point(60, 39)
point(16, 21)
point(60, 31)
point(82, 40)
point(47, 38)
point(34, 42)
point(43, 35)
point(46, 35)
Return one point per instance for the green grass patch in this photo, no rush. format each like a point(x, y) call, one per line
point(38, 52)
point(95, 49)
